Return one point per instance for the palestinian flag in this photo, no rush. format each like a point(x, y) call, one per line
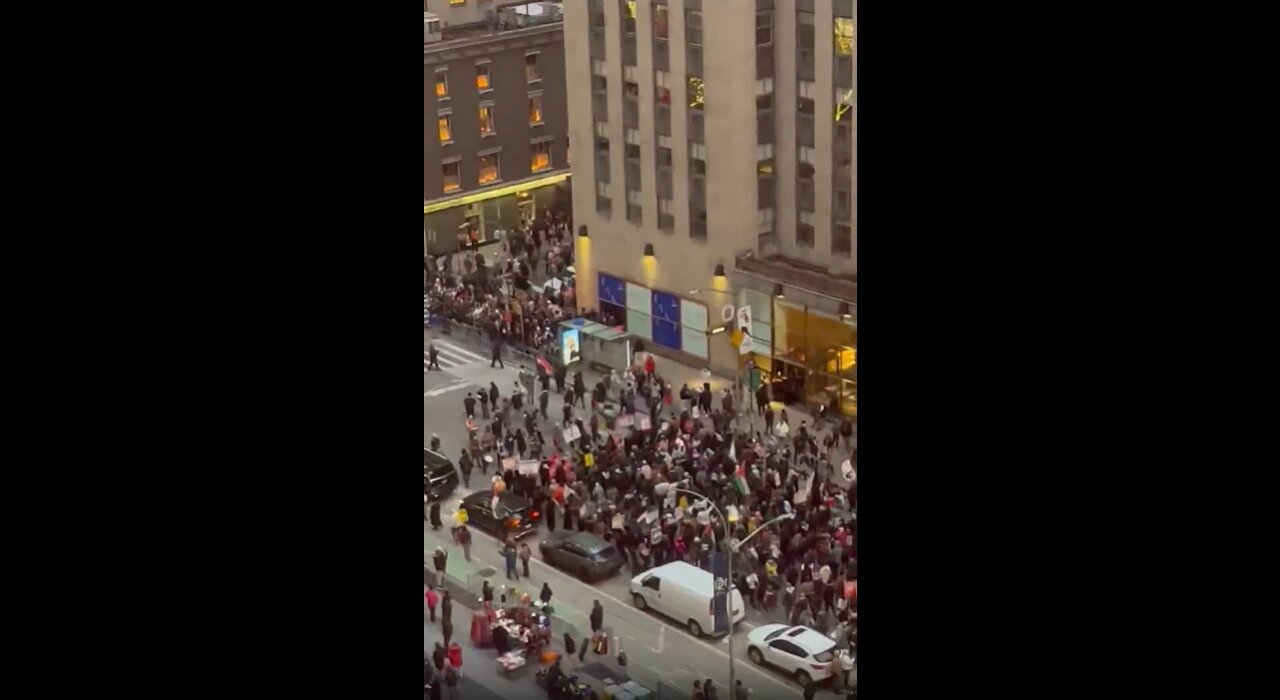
point(740, 480)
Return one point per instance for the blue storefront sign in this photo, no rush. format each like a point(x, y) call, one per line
point(666, 319)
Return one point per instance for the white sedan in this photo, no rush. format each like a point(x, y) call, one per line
point(804, 653)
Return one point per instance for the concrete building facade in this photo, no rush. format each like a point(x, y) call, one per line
point(721, 134)
point(495, 145)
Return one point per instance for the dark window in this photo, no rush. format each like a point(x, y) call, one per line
point(841, 239)
point(804, 235)
point(764, 28)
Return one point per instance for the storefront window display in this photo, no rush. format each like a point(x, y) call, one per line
point(815, 357)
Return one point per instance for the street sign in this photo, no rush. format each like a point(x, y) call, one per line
point(744, 318)
point(720, 596)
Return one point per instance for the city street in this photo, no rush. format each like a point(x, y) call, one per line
point(649, 639)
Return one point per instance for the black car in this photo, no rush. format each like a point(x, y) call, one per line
point(581, 553)
point(514, 515)
point(439, 478)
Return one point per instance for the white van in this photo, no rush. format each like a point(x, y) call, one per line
point(684, 593)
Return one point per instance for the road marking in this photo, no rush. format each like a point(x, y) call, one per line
point(461, 352)
point(706, 644)
point(455, 385)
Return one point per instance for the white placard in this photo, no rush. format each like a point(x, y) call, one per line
point(509, 463)
point(529, 467)
point(572, 433)
point(643, 423)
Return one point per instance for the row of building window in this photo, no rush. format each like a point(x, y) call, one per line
point(488, 125)
point(489, 167)
point(532, 74)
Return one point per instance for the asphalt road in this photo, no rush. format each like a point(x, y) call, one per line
point(649, 639)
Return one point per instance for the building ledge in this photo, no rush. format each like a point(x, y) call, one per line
point(802, 275)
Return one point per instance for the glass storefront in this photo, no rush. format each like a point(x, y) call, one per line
point(814, 357)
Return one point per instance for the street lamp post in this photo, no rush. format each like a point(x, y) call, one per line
point(729, 569)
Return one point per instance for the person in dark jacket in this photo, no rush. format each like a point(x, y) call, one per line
point(497, 354)
point(493, 395)
point(560, 375)
point(437, 656)
point(469, 405)
point(543, 398)
point(597, 616)
point(434, 361)
point(466, 465)
point(435, 514)
point(580, 388)
point(486, 592)
point(484, 405)
point(545, 595)
point(446, 607)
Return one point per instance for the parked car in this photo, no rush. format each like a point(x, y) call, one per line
point(439, 478)
point(803, 652)
point(683, 592)
point(581, 553)
point(514, 515)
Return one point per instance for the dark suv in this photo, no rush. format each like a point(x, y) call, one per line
point(439, 478)
point(514, 516)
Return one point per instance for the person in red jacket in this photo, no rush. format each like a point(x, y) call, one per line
point(649, 365)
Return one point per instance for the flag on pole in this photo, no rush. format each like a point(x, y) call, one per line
point(740, 480)
point(546, 366)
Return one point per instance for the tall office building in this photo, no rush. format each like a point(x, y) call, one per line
point(721, 135)
point(495, 119)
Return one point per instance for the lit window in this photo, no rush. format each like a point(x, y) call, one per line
point(452, 183)
point(486, 120)
point(482, 76)
point(489, 169)
point(531, 72)
point(442, 83)
point(446, 133)
point(535, 109)
point(696, 94)
point(541, 157)
point(844, 36)
point(844, 105)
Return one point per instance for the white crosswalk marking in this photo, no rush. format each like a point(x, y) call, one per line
point(451, 356)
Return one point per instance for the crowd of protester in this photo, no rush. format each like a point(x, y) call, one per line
point(644, 445)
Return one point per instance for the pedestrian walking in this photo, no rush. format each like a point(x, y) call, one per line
point(741, 692)
point(545, 595)
point(466, 465)
point(493, 395)
point(469, 406)
point(434, 361)
point(597, 616)
point(497, 354)
point(446, 630)
point(484, 405)
point(560, 375)
point(451, 679)
point(580, 388)
point(435, 514)
point(446, 607)
point(509, 554)
point(440, 559)
point(543, 398)
point(432, 601)
point(525, 554)
point(464, 539)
